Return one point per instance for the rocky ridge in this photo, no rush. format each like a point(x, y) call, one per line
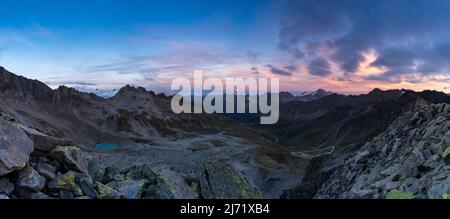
point(411, 159)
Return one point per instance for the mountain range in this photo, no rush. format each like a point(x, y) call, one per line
point(132, 145)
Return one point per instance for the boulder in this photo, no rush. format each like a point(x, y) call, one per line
point(71, 158)
point(64, 194)
point(26, 194)
point(87, 188)
point(361, 194)
point(15, 148)
point(446, 139)
point(106, 192)
point(29, 179)
point(362, 157)
point(46, 170)
point(446, 155)
point(411, 164)
point(138, 172)
point(77, 192)
point(169, 185)
point(439, 189)
point(432, 162)
point(94, 169)
point(417, 186)
point(221, 181)
point(44, 142)
point(6, 187)
point(109, 174)
point(63, 182)
point(132, 189)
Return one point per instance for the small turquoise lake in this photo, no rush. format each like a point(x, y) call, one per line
point(106, 146)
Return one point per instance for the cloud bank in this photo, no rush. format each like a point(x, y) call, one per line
point(411, 39)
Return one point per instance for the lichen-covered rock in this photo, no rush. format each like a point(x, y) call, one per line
point(106, 192)
point(223, 182)
point(77, 191)
point(157, 182)
point(15, 148)
point(71, 157)
point(29, 179)
point(397, 194)
point(169, 185)
point(63, 182)
point(138, 172)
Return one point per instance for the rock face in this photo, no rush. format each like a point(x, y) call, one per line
point(15, 148)
point(409, 160)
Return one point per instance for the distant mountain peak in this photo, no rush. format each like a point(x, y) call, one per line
point(132, 89)
point(304, 96)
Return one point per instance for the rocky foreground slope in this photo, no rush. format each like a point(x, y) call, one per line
point(67, 172)
point(411, 159)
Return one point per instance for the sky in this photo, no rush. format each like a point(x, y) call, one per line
point(346, 46)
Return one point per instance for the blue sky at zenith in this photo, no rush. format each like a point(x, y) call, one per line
point(349, 46)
